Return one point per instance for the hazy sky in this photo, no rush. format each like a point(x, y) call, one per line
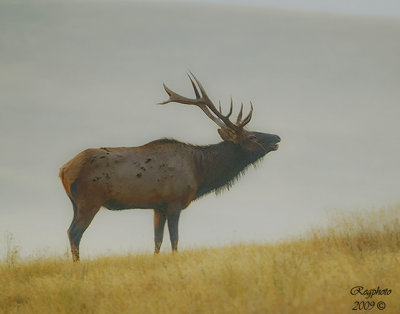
point(89, 75)
point(368, 7)
point(363, 7)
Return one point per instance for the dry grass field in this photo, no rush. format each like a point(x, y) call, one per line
point(310, 274)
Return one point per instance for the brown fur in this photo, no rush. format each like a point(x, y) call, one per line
point(164, 175)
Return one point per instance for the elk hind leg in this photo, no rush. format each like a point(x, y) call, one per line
point(83, 216)
point(159, 223)
point(173, 219)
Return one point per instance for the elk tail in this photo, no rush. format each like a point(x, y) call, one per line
point(66, 186)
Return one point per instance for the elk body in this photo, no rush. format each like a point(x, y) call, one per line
point(164, 175)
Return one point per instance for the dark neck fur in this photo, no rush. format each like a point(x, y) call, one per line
point(220, 165)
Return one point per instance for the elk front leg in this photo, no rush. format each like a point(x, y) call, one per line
point(173, 219)
point(159, 223)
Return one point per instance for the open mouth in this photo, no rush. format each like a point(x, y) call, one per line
point(275, 146)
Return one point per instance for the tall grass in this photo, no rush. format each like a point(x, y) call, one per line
point(309, 274)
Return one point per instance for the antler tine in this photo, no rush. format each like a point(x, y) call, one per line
point(230, 110)
point(239, 117)
point(211, 106)
point(174, 97)
point(248, 118)
point(205, 97)
point(203, 92)
point(194, 86)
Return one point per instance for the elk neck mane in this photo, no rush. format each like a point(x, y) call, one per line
point(217, 166)
point(220, 165)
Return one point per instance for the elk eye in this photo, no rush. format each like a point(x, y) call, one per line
point(252, 137)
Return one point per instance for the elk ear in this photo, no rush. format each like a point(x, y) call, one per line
point(228, 135)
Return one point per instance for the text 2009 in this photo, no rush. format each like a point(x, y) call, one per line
point(368, 305)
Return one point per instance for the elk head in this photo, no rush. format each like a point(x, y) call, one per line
point(256, 143)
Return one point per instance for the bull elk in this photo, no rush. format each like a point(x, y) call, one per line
point(164, 175)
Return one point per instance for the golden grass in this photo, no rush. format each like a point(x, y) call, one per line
point(311, 274)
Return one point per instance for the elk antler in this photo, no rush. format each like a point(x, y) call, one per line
point(204, 103)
